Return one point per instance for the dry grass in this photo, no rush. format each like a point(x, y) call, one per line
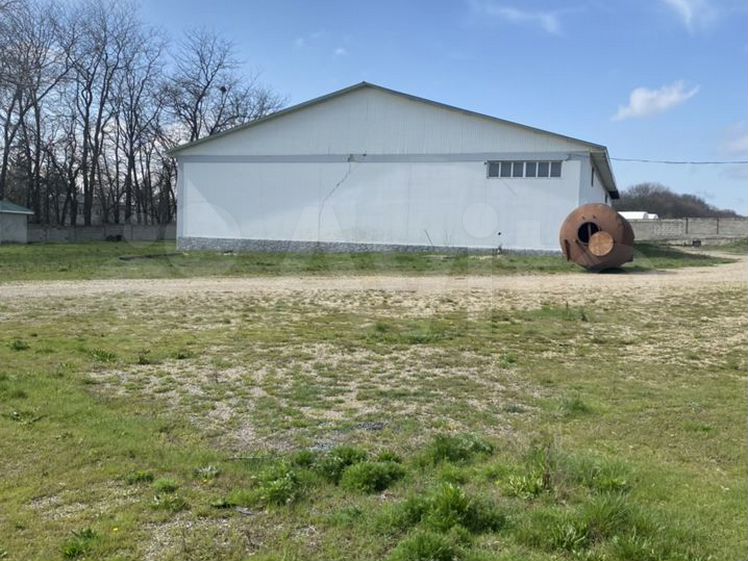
point(172, 376)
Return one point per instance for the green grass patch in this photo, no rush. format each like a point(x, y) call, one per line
point(371, 477)
point(375, 424)
point(457, 448)
point(738, 247)
point(332, 465)
point(80, 544)
point(165, 485)
point(140, 476)
point(131, 260)
point(427, 546)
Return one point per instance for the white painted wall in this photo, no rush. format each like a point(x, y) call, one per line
point(418, 177)
point(13, 228)
point(363, 202)
point(591, 189)
point(371, 121)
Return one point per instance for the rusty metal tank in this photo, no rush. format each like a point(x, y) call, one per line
point(596, 237)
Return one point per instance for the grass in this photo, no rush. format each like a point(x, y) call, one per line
point(102, 260)
point(79, 544)
point(374, 425)
point(457, 448)
point(371, 477)
point(738, 247)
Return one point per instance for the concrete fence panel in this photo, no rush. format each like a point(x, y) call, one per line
point(688, 229)
point(128, 232)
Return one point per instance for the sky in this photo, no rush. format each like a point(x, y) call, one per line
point(650, 79)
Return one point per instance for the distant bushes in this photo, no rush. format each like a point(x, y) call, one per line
point(654, 197)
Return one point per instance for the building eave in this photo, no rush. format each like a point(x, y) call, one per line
point(12, 208)
point(601, 162)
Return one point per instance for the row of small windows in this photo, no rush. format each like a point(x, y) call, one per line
point(524, 169)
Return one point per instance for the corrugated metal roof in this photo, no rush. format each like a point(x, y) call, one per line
point(6, 207)
point(598, 152)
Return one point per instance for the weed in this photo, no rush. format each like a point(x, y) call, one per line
point(526, 486)
point(101, 355)
point(403, 515)
point(169, 502)
point(347, 516)
point(574, 406)
point(278, 485)
point(514, 408)
point(568, 535)
point(450, 506)
point(17, 394)
point(444, 508)
point(552, 529)
point(304, 458)
point(507, 360)
point(331, 466)
point(450, 473)
point(207, 473)
point(222, 503)
point(144, 357)
point(457, 448)
point(634, 548)
point(371, 477)
point(165, 485)
point(426, 546)
point(23, 416)
point(80, 543)
point(603, 519)
point(598, 474)
point(606, 516)
point(388, 456)
point(19, 345)
point(139, 477)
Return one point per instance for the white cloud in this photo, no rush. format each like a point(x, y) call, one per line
point(738, 145)
point(644, 102)
point(693, 13)
point(340, 51)
point(547, 20)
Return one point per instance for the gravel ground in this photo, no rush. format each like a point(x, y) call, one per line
point(524, 287)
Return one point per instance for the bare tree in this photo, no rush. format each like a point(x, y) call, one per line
point(34, 62)
point(139, 106)
point(90, 104)
point(206, 92)
point(104, 36)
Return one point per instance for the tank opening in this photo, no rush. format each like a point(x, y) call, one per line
point(586, 231)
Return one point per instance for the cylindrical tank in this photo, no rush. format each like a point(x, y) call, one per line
point(596, 237)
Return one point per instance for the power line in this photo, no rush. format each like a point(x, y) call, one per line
point(684, 162)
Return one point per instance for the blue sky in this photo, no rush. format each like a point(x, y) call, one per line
point(652, 79)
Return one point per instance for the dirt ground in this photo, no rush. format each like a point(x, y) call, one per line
point(525, 288)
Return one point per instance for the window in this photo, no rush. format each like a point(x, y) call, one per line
point(515, 169)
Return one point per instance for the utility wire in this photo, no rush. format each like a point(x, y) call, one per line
point(684, 162)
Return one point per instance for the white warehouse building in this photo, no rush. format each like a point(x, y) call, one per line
point(370, 169)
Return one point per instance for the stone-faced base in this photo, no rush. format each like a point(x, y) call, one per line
point(288, 246)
